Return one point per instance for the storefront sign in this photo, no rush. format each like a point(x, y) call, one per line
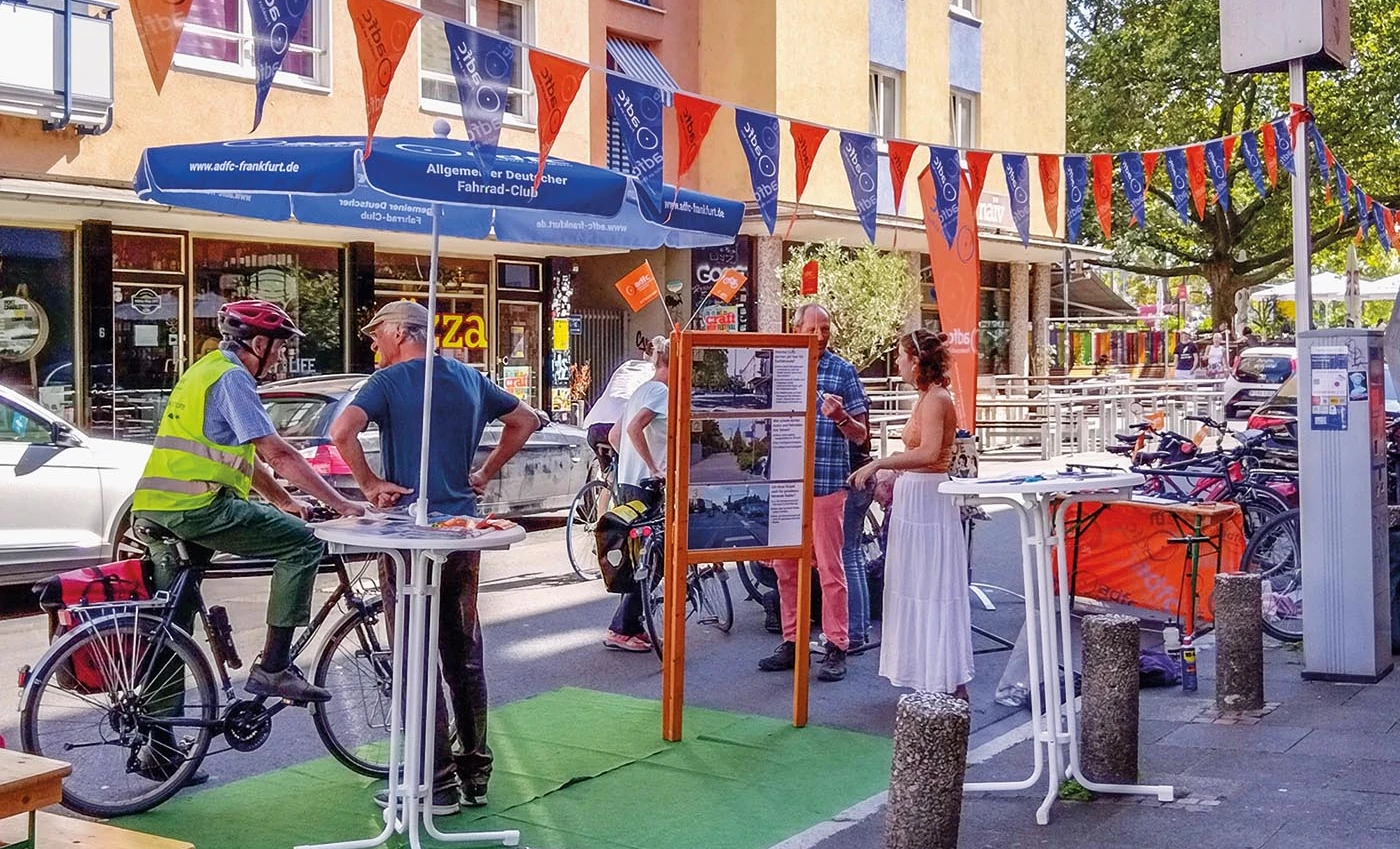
point(721, 318)
point(145, 301)
point(575, 325)
point(461, 331)
point(23, 329)
point(993, 210)
point(516, 381)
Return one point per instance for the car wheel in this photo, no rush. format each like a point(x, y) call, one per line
point(126, 545)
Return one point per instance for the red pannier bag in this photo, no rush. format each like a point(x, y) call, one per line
point(65, 595)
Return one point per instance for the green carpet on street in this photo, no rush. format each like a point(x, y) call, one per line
point(574, 769)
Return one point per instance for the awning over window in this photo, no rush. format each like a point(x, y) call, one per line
point(636, 60)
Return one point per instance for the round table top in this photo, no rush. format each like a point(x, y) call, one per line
point(1048, 484)
point(381, 534)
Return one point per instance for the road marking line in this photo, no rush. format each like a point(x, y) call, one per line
point(862, 810)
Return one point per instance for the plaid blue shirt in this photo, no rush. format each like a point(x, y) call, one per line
point(836, 377)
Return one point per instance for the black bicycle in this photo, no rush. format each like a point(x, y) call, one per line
point(1275, 554)
point(132, 702)
point(707, 599)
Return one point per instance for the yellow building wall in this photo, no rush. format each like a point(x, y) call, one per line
point(197, 107)
point(737, 64)
point(926, 92)
point(1023, 92)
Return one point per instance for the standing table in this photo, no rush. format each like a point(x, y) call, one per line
point(417, 553)
point(1054, 713)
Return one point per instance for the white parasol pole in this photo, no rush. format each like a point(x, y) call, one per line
point(420, 509)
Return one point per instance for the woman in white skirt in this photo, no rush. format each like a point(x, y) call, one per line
point(926, 643)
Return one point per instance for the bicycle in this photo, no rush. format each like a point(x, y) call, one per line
point(707, 598)
point(122, 732)
point(589, 504)
point(1275, 554)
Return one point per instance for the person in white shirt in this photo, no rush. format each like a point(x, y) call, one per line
point(611, 406)
point(640, 439)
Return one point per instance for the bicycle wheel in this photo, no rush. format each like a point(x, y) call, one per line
point(130, 704)
point(1257, 506)
point(708, 596)
point(356, 665)
point(1275, 554)
point(587, 508)
point(650, 578)
point(748, 576)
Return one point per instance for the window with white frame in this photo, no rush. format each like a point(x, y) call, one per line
point(512, 19)
point(886, 103)
point(218, 38)
point(964, 120)
point(967, 7)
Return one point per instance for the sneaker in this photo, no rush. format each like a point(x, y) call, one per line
point(833, 665)
point(784, 657)
point(636, 642)
point(446, 800)
point(288, 684)
point(821, 645)
point(474, 793)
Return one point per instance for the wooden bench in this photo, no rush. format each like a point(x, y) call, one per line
point(53, 831)
point(28, 783)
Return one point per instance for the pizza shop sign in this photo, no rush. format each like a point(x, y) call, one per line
point(455, 330)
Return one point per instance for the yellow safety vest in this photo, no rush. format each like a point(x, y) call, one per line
point(186, 470)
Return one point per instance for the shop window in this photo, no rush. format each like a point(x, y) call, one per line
point(305, 280)
point(158, 253)
point(519, 276)
point(512, 19)
point(218, 38)
point(464, 328)
point(36, 315)
point(520, 351)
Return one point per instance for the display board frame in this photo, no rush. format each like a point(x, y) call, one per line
point(683, 413)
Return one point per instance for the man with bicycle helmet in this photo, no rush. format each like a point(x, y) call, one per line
point(214, 446)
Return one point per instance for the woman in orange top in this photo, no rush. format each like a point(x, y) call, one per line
point(927, 634)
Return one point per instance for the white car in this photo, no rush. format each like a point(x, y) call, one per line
point(65, 497)
point(1256, 377)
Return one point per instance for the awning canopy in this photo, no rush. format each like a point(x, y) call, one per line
point(1089, 297)
point(636, 60)
point(1330, 286)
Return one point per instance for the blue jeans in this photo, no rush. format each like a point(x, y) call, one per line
point(853, 558)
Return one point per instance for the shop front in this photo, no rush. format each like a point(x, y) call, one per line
point(36, 315)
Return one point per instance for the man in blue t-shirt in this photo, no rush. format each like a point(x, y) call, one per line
point(463, 402)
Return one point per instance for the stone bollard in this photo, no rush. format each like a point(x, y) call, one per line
point(1109, 713)
point(1239, 643)
point(926, 779)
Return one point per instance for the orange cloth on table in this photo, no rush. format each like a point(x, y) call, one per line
point(1125, 557)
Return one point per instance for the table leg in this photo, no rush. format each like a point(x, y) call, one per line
point(1033, 651)
point(1163, 792)
point(1050, 661)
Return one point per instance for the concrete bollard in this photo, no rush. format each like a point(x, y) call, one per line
point(1239, 643)
point(1109, 713)
point(926, 779)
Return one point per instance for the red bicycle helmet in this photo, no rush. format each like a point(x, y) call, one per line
point(241, 321)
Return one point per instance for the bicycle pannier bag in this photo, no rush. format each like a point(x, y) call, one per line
point(59, 596)
point(615, 545)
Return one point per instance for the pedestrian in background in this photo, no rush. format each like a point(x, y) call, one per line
point(842, 420)
point(464, 401)
point(1187, 357)
point(926, 640)
point(640, 439)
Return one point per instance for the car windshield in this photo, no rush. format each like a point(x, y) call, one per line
point(1264, 368)
point(297, 417)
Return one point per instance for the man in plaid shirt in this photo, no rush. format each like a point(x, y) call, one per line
point(841, 421)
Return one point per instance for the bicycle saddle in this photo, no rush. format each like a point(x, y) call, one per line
point(149, 532)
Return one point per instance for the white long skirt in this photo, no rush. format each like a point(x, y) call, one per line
point(926, 638)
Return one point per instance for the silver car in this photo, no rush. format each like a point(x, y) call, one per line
point(542, 477)
point(64, 496)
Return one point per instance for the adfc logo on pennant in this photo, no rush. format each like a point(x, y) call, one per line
point(728, 285)
point(638, 288)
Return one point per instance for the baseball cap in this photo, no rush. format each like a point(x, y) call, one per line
point(399, 312)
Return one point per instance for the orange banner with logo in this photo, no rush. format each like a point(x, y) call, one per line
point(382, 33)
point(557, 81)
point(728, 284)
point(639, 288)
point(901, 155)
point(806, 141)
point(956, 278)
point(1196, 176)
point(1122, 553)
point(977, 161)
point(693, 118)
point(1103, 191)
point(158, 25)
point(1050, 188)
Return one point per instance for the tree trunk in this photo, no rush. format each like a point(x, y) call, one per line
point(1223, 286)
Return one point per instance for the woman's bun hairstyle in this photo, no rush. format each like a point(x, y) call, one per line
point(932, 359)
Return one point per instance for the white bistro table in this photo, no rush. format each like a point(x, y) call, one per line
point(1054, 712)
point(418, 553)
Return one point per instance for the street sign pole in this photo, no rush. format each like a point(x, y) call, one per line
point(1302, 234)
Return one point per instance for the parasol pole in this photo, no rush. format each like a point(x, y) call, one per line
point(420, 508)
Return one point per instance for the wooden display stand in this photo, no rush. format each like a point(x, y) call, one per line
point(679, 555)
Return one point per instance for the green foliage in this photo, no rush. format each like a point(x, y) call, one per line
point(1145, 74)
point(870, 294)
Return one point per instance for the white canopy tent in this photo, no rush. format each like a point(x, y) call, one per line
point(1330, 286)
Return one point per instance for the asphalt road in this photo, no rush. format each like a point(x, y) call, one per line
point(544, 630)
point(726, 530)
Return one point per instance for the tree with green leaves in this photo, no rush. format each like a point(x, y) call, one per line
point(870, 294)
point(1145, 74)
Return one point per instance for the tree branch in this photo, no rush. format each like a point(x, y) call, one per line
point(1150, 271)
point(1265, 274)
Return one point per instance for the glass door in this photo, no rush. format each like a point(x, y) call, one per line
point(148, 357)
point(518, 349)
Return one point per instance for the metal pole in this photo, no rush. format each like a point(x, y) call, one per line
point(1302, 239)
point(420, 508)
